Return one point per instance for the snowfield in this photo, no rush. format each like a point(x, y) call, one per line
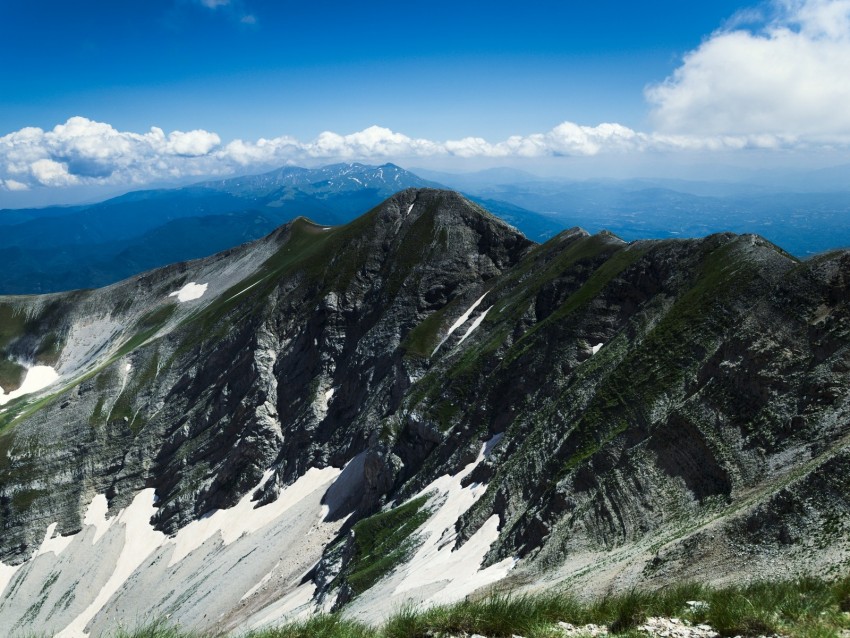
point(460, 321)
point(438, 572)
point(115, 567)
point(251, 561)
point(37, 378)
point(190, 292)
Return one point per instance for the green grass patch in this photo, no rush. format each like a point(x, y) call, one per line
point(422, 340)
point(321, 626)
point(22, 500)
point(382, 541)
point(49, 349)
point(13, 324)
point(156, 318)
point(97, 417)
point(11, 375)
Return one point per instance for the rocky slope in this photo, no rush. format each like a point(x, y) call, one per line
point(416, 405)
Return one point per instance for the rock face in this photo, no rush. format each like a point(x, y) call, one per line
point(588, 409)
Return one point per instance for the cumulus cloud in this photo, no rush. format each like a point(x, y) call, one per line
point(82, 151)
point(52, 173)
point(191, 144)
point(790, 78)
point(14, 185)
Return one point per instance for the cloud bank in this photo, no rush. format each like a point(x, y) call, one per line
point(781, 85)
point(789, 78)
point(82, 151)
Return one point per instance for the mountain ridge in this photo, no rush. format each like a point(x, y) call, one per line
point(586, 409)
point(49, 250)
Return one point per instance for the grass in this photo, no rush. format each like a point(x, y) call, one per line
point(11, 375)
point(13, 324)
point(382, 541)
point(804, 608)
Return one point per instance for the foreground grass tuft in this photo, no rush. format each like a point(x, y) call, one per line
point(805, 608)
point(322, 626)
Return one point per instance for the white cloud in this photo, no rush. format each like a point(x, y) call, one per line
point(85, 152)
point(50, 173)
point(213, 4)
point(14, 185)
point(82, 151)
point(192, 144)
point(789, 79)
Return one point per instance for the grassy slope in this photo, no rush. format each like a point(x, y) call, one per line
point(806, 608)
point(381, 542)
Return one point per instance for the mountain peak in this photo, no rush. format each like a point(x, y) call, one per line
point(448, 207)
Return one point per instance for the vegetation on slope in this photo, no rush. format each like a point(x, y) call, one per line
point(382, 541)
point(805, 608)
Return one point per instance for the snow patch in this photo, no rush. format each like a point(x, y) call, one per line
point(51, 543)
point(140, 540)
point(38, 378)
point(96, 516)
point(6, 574)
point(436, 561)
point(137, 540)
point(474, 325)
point(493, 442)
point(409, 208)
point(244, 518)
point(190, 292)
point(322, 399)
point(128, 367)
point(595, 348)
point(460, 321)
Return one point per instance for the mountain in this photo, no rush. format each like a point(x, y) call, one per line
point(804, 223)
point(805, 215)
point(56, 249)
point(476, 180)
point(411, 407)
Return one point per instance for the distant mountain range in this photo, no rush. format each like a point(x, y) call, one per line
point(55, 249)
point(64, 248)
point(804, 216)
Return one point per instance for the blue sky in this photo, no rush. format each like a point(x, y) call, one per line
point(451, 84)
point(437, 69)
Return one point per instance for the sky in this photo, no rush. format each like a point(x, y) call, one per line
point(103, 95)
